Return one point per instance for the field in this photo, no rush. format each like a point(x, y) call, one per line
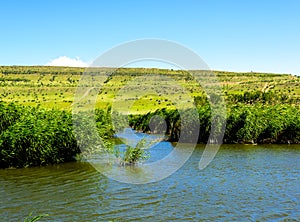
point(54, 87)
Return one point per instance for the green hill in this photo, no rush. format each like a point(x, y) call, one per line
point(54, 87)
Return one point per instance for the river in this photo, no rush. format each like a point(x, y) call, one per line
point(242, 183)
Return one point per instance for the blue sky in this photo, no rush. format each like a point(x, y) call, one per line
point(234, 35)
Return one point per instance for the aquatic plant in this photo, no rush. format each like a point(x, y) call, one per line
point(134, 154)
point(32, 136)
point(246, 123)
point(31, 218)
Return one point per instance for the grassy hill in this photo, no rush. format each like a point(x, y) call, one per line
point(54, 87)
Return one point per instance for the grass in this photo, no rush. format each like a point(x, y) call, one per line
point(32, 218)
point(54, 87)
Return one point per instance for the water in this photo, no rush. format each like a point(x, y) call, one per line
point(243, 183)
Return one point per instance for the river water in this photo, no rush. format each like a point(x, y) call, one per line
point(242, 183)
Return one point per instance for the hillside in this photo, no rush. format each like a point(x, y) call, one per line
point(54, 87)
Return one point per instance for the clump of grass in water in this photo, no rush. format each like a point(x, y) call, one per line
point(136, 154)
point(31, 218)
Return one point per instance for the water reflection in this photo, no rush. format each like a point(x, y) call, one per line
point(66, 189)
point(249, 183)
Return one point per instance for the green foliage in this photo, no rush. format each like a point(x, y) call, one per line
point(261, 97)
point(256, 123)
point(263, 124)
point(174, 123)
point(9, 114)
point(38, 137)
point(32, 136)
point(93, 132)
point(172, 118)
point(136, 154)
point(31, 218)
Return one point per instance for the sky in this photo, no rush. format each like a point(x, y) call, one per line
point(232, 35)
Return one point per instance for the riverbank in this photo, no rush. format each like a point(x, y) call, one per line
point(33, 136)
point(245, 124)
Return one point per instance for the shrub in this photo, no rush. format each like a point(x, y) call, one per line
point(31, 136)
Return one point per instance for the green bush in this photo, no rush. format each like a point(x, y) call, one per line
point(263, 124)
point(255, 123)
point(9, 114)
point(134, 154)
point(38, 138)
point(33, 136)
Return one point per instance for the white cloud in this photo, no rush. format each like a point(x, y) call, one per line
point(66, 61)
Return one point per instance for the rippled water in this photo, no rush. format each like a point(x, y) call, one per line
point(242, 183)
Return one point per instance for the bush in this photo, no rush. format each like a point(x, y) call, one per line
point(256, 123)
point(33, 136)
point(134, 154)
point(38, 138)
